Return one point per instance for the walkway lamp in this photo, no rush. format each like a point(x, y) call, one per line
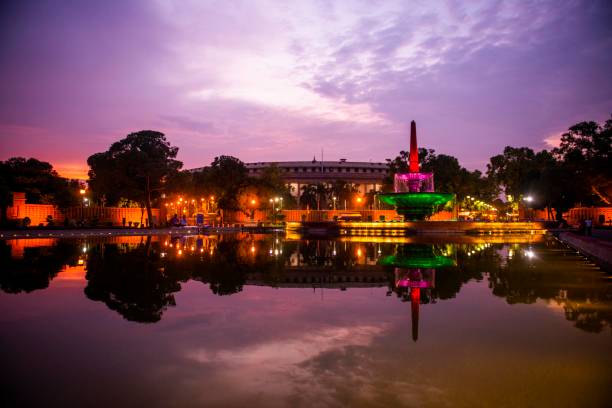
point(334, 199)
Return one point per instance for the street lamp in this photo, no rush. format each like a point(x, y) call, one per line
point(272, 201)
point(528, 199)
point(334, 199)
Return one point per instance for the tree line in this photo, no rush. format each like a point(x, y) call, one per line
point(141, 170)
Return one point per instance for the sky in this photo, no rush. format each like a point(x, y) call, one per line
point(282, 80)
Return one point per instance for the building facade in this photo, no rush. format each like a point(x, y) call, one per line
point(366, 176)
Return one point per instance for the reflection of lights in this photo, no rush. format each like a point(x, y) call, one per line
point(529, 253)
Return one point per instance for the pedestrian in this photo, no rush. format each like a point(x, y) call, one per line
point(184, 221)
point(588, 223)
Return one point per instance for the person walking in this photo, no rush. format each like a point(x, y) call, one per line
point(588, 223)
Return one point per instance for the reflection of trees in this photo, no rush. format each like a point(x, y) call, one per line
point(37, 267)
point(132, 282)
point(554, 274)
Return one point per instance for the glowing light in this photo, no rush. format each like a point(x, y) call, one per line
point(359, 253)
point(253, 248)
point(253, 202)
point(529, 253)
point(82, 191)
point(81, 262)
point(180, 252)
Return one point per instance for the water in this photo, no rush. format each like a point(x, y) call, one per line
point(253, 320)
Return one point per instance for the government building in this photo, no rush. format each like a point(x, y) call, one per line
point(366, 176)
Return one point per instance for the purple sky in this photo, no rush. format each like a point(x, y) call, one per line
point(264, 80)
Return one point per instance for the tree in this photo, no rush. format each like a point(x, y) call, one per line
point(227, 177)
point(514, 170)
point(343, 191)
point(38, 180)
point(135, 168)
point(585, 150)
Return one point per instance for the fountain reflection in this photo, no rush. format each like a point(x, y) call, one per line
point(415, 271)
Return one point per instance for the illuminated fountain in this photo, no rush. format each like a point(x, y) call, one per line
point(414, 197)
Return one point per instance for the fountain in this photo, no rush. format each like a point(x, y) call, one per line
point(414, 197)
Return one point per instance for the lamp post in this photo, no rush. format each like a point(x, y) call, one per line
point(528, 199)
point(334, 200)
point(253, 203)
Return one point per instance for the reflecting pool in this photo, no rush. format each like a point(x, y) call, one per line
point(267, 320)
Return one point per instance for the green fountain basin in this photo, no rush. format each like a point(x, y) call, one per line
point(432, 262)
point(416, 256)
point(416, 206)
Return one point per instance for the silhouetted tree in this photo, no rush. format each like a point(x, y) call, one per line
point(585, 151)
point(136, 167)
point(38, 180)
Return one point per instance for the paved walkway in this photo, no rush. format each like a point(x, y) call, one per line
point(600, 250)
point(105, 232)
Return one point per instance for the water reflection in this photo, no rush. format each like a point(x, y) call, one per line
point(138, 277)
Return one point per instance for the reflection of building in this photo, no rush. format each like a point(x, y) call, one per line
point(367, 175)
point(362, 276)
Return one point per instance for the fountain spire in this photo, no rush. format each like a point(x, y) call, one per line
point(413, 159)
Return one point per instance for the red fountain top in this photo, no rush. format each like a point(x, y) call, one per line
point(413, 159)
